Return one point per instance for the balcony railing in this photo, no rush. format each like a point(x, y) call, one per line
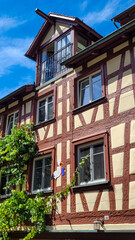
point(51, 67)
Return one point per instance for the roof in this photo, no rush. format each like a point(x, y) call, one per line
point(15, 94)
point(51, 18)
point(100, 45)
point(125, 15)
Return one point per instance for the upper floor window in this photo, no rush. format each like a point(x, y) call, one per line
point(42, 174)
point(90, 89)
point(3, 182)
point(11, 120)
point(52, 57)
point(94, 167)
point(45, 109)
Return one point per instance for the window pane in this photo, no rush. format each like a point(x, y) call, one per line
point(3, 184)
point(96, 87)
point(50, 110)
point(63, 42)
point(69, 38)
point(47, 180)
point(16, 117)
point(59, 45)
point(85, 92)
point(85, 174)
point(41, 114)
point(98, 148)
point(43, 56)
point(38, 175)
point(41, 103)
point(99, 166)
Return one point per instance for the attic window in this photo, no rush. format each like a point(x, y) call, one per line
point(82, 43)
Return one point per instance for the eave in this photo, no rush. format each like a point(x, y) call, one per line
point(124, 14)
point(100, 45)
point(52, 18)
point(15, 95)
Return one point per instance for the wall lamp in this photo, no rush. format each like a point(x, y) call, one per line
point(98, 223)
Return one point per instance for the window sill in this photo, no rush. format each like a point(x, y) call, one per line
point(50, 190)
point(42, 124)
point(59, 75)
point(5, 196)
point(97, 183)
point(89, 105)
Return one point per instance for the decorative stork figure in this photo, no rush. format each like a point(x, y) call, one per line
point(60, 171)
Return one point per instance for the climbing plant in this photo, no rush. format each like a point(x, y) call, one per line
point(20, 209)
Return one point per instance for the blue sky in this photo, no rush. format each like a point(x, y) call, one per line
point(19, 25)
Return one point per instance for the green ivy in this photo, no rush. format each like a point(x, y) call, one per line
point(20, 209)
point(15, 151)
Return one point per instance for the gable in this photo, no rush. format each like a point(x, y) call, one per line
point(59, 28)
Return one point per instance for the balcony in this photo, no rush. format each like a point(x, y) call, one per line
point(51, 63)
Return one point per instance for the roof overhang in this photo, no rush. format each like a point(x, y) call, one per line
point(101, 45)
point(50, 19)
point(125, 15)
point(15, 95)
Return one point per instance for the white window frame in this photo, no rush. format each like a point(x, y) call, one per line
point(90, 145)
point(46, 108)
point(13, 120)
point(43, 174)
point(90, 87)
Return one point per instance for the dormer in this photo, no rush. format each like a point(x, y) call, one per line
point(59, 38)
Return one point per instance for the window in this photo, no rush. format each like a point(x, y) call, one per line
point(42, 173)
point(11, 120)
point(45, 109)
point(3, 181)
point(94, 167)
point(63, 51)
point(90, 89)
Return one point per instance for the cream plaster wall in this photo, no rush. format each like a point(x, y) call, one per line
point(60, 91)
point(132, 161)
point(87, 115)
point(77, 122)
point(28, 96)
point(13, 104)
point(97, 59)
point(126, 102)
point(27, 120)
point(78, 69)
point(127, 58)
point(68, 87)
point(100, 113)
point(104, 201)
point(117, 160)
point(68, 124)
point(59, 127)
point(58, 206)
point(2, 110)
point(79, 206)
point(112, 85)
point(113, 64)
point(50, 132)
point(91, 199)
point(121, 46)
point(41, 132)
point(68, 105)
point(60, 109)
point(118, 189)
point(68, 173)
point(68, 149)
point(111, 106)
point(127, 79)
point(59, 152)
point(132, 131)
point(117, 135)
point(133, 39)
point(132, 195)
point(28, 107)
point(22, 109)
point(58, 180)
point(68, 203)
point(60, 27)
point(48, 36)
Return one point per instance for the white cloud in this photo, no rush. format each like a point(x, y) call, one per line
point(83, 5)
point(105, 14)
point(7, 23)
point(12, 54)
